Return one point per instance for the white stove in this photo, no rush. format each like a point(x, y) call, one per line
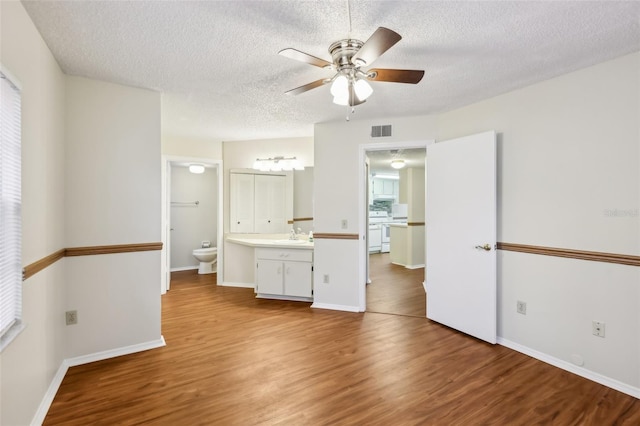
point(379, 224)
point(378, 217)
point(379, 231)
point(376, 221)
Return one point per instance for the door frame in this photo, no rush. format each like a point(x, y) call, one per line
point(363, 252)
point(165, 256)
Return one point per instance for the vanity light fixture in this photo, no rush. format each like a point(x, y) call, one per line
point(397, 164)
point(196, 168)
point(277, 164)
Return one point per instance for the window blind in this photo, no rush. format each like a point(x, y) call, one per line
point(10, 210)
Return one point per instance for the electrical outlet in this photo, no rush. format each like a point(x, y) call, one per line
point(521, 307)
point(325, 279)
point(71, 317)
point(344, 224)
point(597, 328)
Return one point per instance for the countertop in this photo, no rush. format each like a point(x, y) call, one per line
point(272, 243)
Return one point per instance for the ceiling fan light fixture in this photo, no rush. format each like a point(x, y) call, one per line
point(363, 89)
point(398, 164)
point(341, 100)
point(340, 87)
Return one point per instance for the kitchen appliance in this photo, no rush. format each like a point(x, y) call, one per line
point(377, 219)
point(386, 238)
point(375, 238)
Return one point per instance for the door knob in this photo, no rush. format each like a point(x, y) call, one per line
point(485, 247)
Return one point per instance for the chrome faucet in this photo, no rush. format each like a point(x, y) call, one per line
point(292, 234)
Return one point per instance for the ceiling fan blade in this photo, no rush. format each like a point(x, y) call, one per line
point(306, 87)
point(395, 76)
point(379, 42)
point(304, 57)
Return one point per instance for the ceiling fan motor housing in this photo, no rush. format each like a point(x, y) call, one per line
point(342, 51)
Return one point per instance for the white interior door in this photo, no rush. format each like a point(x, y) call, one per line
point(461, 234)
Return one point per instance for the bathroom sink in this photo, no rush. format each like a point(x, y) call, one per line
point(289, 241)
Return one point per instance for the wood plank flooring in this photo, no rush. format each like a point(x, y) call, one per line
point(232, 359)
point(395, 289)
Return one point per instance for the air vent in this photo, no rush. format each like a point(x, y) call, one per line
point(381, 131)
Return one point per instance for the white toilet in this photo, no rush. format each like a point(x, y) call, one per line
point(208, 258)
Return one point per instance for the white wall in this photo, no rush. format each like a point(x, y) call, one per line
point(113, 197)
point(29, 363)
point(336, 180)
point(188, 147)
point(303, 198)
point(192, 224)
point(568, 153)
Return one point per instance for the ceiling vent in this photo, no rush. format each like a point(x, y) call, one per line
point(381, 131)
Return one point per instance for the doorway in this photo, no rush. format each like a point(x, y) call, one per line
point(191, 204)
point(394, 283)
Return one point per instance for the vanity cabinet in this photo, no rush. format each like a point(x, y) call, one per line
point(257, 203)
point(284, 273)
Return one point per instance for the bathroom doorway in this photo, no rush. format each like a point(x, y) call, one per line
point(191, 214)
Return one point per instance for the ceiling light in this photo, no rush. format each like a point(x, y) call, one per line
point(344, 86)
point(277, 164)
point(397, 164)
point(385, 176)
point(196, 168)
point(363, 89)
point(340, 86)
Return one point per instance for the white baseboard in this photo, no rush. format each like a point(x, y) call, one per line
point(43, 408)
point(415, 266)
point(567, 366)
point(184, 268)
point(333, 307)
point(408, 266)
point(45, 404)
point(112, 353)
point(284, 297)
point(241, 285)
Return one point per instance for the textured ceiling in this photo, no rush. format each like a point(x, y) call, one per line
point(217, 65)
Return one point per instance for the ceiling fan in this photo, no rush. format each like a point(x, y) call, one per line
point(350, 83)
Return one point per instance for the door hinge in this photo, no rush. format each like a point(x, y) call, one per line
point(311, 268)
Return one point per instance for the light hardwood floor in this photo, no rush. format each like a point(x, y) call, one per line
point(232, 359)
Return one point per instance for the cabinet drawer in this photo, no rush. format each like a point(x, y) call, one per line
point(285, 254)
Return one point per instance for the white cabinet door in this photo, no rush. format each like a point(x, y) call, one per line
point(297, 279)
point(387, 186)
point(269, 277)
point(270, 203)
point(241, 209)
